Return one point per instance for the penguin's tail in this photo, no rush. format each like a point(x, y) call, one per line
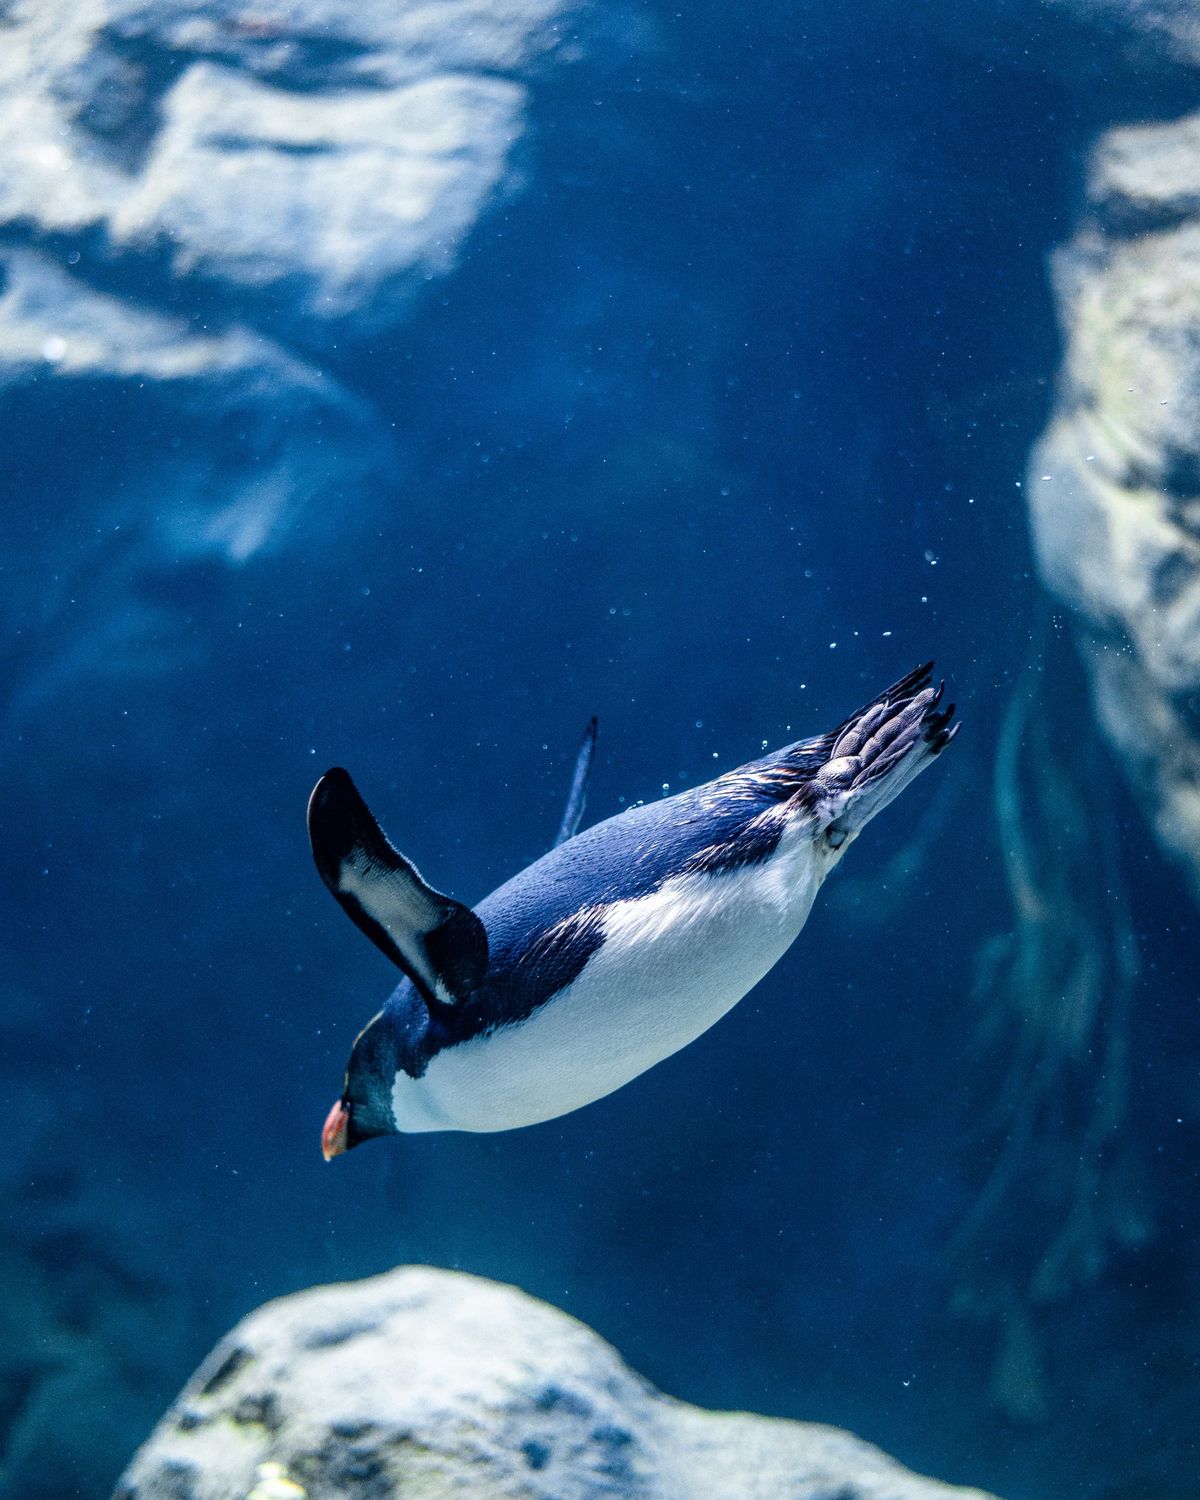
point(877, 751)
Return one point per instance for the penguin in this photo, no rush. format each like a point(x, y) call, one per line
point(616, 948)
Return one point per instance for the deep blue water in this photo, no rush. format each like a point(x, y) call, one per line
point(719, 427)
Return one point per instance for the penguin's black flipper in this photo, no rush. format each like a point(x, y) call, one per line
point(577, 798)
point(439, 943)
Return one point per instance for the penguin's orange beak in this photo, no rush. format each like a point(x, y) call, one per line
point(335, 1136)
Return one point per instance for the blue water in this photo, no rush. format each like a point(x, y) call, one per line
point(719, 426)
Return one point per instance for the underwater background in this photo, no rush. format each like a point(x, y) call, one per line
point(396, 387)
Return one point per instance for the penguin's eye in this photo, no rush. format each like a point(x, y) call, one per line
point(835, 837)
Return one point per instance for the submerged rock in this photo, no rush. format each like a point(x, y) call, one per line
point(433, 1383)
point(310, 168)
point(205, 210)
point(1114, 484)
point(323, 209)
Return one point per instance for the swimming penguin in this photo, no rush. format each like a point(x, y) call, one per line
point(616, 948)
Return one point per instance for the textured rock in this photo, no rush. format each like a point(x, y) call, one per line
point(315, 167)
point(1114, 484)
point(201, 204)
point(326, 208)
point(432, 1383)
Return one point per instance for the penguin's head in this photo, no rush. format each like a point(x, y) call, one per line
point(363, 1109)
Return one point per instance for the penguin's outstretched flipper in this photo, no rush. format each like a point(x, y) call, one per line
point(438, 942)
point(577, 797)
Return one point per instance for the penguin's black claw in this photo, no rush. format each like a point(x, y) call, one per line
point(942, 737)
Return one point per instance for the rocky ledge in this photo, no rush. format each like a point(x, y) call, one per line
point(433, 1383)
point(1114, 484)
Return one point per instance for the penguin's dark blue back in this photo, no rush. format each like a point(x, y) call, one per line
point(732, 821)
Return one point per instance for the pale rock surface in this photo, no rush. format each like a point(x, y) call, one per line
point(336, 155)
point(437, 1384)
point(1114, 484)
point(335, 207)
point(208, 210)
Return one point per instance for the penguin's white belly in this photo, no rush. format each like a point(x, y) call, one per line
point(671, 964)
